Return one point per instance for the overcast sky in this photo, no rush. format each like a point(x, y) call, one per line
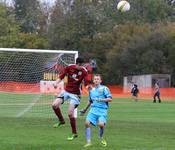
point(48, 1)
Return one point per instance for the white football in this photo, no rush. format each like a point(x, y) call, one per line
point(123, 6)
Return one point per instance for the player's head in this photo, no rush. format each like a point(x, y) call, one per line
point(135, 85)
point(79, 61)
point(157, 83)
point(97, 79)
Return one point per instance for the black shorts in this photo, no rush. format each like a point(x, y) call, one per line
point(157, 94)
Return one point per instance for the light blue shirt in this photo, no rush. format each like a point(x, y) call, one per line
point(99, 92)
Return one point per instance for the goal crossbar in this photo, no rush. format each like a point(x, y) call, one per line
point(40, 51)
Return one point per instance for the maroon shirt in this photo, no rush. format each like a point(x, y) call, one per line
point(75, 77)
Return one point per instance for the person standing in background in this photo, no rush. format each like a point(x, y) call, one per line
point(156, 92)
point(134, 92)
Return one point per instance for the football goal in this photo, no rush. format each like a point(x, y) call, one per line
point(26, 79)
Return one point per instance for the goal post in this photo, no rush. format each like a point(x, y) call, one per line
point(26, 79)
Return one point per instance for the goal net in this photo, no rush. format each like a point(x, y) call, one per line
point(26, 79)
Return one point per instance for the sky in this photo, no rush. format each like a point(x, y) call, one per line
point(47, 1)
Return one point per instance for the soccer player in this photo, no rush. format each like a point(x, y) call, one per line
point(134, 92)
point(75, 73)
point(156, 92)
point(99, 96)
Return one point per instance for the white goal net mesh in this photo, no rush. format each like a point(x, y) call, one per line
point(26, 78)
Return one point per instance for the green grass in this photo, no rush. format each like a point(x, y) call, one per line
point(131, 125)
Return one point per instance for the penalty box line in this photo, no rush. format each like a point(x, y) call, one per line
point(28, 107)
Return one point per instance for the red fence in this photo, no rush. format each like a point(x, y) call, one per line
point(117, 91)
point(19, 87)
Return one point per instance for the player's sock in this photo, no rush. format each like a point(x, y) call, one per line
point(100, 132)
point(103, 141)
point(73, 124)
point(88, 135)
point(59, 114)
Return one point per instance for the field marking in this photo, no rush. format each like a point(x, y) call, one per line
point(28, 108)
point(24, 104)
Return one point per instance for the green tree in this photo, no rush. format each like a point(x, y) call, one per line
point(70, 23)
point(28, 14)
point(9, 29)
point(31, 41)
point(148, 53)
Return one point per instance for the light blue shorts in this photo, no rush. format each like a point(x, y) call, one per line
point(71, 98)
point(96, 118)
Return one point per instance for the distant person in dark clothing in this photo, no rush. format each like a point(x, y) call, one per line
point(134, 92)
point(156, 93)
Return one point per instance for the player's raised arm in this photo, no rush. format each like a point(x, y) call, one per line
point(60, 78)
point(87, 81)
point(56, 83)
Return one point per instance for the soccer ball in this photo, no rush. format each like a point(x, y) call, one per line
point(123, 6)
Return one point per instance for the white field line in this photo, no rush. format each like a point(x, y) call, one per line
point(28, 107)
point(24, 104)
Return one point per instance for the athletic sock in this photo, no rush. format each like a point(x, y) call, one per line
point(59, 114)
point(100, 132)
point(88, 135)
point(73, 125)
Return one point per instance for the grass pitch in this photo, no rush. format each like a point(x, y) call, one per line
point(26, 124)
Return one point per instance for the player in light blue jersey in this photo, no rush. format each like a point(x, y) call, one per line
point(99, 96)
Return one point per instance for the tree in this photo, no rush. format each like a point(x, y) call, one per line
point(31, 41)
point(27, 13)
point(70, 23)
point(146, 53)
point(9, 29)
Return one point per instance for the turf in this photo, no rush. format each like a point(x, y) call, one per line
point(131, 125)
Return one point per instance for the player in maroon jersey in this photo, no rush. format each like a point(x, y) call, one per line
point(75, 75)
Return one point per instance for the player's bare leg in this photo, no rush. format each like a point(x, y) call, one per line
point(135, 98)
point(88, 134)
point(101, 130)
point(56, 107)
point(154, 101)
point(158, 96)
point(72, 119)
